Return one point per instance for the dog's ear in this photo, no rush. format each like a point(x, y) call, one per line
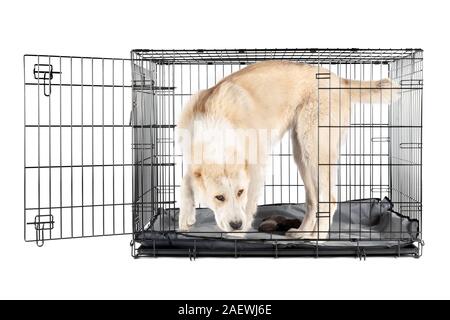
point(197, 173)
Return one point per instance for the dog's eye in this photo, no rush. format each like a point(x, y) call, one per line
point(220, 198)
point(240, 192)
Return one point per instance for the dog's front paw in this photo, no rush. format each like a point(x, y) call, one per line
point(185, 225)
point(186, 221)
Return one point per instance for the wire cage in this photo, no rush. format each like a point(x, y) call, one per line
point(102, 158)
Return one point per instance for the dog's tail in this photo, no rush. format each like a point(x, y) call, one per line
point(378, 91)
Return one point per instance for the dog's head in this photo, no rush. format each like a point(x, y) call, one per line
point(224, 188)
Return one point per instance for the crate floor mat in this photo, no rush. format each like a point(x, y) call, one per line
point(373, 222)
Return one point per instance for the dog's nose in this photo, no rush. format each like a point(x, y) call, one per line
point(236, 225)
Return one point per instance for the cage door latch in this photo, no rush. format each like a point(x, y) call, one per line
point(42, 223)
point(45, 73)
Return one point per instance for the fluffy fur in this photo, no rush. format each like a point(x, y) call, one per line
point(254, 107)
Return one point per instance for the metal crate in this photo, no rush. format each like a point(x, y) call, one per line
point(101, 156)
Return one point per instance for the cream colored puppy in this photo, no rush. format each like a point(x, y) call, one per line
point(227, 132)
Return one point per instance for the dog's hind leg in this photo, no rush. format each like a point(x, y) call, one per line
point(316, 155)
point(306, 171)
point(325, 174)
point(327, 196)
point(332, 131)
point(186, 216)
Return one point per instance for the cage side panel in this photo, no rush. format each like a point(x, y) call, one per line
point(406, 137)
point(381, 153)
point(77, 147)
point(359, 128)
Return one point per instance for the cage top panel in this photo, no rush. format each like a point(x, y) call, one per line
point(246, 56)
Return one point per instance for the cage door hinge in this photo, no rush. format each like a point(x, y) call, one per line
point(45, 73)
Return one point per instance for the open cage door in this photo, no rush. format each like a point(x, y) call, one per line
point(78, 167)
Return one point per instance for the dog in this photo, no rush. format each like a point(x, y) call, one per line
point(228, 130)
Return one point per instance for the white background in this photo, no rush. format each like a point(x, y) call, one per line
point(103, 268)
